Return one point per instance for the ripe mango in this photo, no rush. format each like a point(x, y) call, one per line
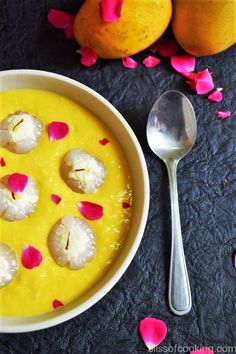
point(140, 25)
point(204, 27)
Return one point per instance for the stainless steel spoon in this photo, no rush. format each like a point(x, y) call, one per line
point(171, 133)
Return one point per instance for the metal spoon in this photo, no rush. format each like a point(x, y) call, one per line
point(171, 133)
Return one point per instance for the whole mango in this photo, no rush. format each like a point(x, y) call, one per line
point(204, 27)
point(140, 25)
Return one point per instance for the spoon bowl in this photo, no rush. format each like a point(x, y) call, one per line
point(171, 133)
point(171, 127)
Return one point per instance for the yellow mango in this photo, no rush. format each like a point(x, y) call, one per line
point(204, 27)
point(140, 25)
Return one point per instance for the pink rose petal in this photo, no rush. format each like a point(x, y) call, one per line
point(31, 257)
point(104, 141)
point(57, 130)
point(204, 82)
point(2, 162)
point(201, 82)
point(55, 198)
point(62, 20)
point(223, 115)
point(110, 10)
point(153, 331)
point(204, 350)
point(90, 211)
point(126, 205)
point(216, 96)
point(165, 47)
point(129, 63)
point(88, 56)
point(151, 61)
point(57, 303)
point(184, 63)
point(17, 182)
point(59, 19)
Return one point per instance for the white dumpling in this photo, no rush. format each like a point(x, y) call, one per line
point(20, 132)
point(8, 265)
point(20, 206)
point(72, 242)
point(82, 172)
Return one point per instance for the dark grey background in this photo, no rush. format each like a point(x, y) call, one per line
point(207, 183)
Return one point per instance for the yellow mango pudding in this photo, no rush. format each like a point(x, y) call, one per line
point(65, 201)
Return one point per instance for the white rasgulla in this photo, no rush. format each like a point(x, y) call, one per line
point(72, 242)
point(17, 206)
point(8, 265)
point(20, 132)
point(82, 172)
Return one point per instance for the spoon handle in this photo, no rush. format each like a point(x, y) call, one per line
point(179, 289)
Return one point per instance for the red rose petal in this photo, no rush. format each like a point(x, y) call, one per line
point(126, 205)
point(57, 303)
point(62, 20)
point(204, 350)
point(104, 141)
point(201, 82)
point(110, 10)
point(31, 257)
point(90, 211)
point(153, 331)
point(17, 182)
point(88, 56)
point(69, 31)
point(55, 198)
point(165, 47)
point(223, 115)
point(184, 64)
point(57, 130)
point(2, 162)
point(129, 63)
point(216, 96)
point(151, 61)
point(192, 81)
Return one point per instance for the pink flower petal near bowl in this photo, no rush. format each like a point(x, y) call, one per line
point(153, 331)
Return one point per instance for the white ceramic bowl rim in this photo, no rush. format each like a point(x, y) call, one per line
point(25, 326)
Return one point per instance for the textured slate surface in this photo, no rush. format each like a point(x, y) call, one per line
point(207, 185)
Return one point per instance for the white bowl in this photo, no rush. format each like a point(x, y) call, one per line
point(34, 79)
